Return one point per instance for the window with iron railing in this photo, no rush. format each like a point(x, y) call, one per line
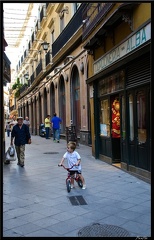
point(43, 12)
point(47, 57)
point(37, 26)
point(32, 78)
point(21, 59)
point(92, 14)
point(39, 68)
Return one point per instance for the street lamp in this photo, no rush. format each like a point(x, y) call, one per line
point(45, 46)
point(26, 76)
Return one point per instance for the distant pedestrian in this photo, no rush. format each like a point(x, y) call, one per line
point(47, 126)
point(13, 122)
point(8, 129)
point(56, 121)
point(22, 136)
point(26, 121)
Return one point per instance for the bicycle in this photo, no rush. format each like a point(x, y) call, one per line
point(76, 177)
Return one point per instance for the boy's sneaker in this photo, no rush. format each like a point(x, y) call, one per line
point(84, 187)
point(72, 186)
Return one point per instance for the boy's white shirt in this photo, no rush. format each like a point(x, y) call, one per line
point(72, 159)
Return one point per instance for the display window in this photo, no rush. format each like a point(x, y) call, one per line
point(141, 117)
point(105, 118)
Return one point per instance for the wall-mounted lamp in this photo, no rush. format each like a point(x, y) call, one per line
point(26, 76)
point(56, 69)
point(85, 20)
point(82, 67)
point(66, 77)
point(45, 46)
point(64, 10)
point(69, 57)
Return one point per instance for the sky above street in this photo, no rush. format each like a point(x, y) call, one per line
point(18, 28)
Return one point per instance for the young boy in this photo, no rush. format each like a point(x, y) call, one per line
point(73, 158)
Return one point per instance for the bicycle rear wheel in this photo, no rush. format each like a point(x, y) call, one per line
point(68, 185)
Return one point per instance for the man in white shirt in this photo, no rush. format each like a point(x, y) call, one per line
point(13, 122)
point(26, 121)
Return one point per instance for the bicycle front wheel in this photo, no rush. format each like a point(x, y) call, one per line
point(68, 185)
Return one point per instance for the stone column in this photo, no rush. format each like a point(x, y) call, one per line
point(34, 116)
point(37, 115)
point(30, 115)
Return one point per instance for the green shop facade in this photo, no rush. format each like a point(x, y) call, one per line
point(120, 89)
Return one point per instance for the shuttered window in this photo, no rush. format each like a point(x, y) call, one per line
point(139, 72)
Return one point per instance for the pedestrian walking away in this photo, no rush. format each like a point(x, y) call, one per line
point(73, 158)
point(56, 121)
point(22, 136)
point(47, 126)
point(8, 129)
point(26, 121)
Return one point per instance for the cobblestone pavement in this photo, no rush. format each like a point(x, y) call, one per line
point(36, 202)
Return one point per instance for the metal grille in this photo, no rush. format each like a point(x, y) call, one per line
point(139, 72)
point(98, 230)
point(77, 200)
point(51, 152)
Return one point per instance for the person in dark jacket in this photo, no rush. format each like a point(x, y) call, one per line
point(22, 136)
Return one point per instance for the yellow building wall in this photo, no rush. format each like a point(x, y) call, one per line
point(141, 14)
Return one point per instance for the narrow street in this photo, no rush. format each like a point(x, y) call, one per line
point(37, 204)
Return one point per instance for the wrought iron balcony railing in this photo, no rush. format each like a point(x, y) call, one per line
point(73, 25)
point(47, 57)
point(92, 15)
point(39, 68)
point(43, 12)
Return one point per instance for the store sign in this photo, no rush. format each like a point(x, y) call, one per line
point(136, 40)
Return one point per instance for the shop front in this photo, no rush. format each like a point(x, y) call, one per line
point(121, 98)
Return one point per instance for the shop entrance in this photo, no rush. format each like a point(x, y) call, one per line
point(115, 129)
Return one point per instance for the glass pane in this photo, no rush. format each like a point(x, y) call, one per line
point(123, 118)
point(131, 118)
point(141, 115)
point(105, 118)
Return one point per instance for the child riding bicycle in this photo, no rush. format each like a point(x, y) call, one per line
point(73, 158)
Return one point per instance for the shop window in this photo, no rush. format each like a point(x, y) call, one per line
point(141, 116)
point(123, 118)
point(105, 118)
point(113, 83)
point(131, 117)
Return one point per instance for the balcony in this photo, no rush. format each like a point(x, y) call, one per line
point(39, 68)
point(37, 26)
point(73, 25)
point(12, 108)
point(23, 88)
point(47, 58)
point(32, 78)
point(92, 15)
point(6, 70)
point(43, 13)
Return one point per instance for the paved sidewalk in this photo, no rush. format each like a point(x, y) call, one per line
point(36, 203)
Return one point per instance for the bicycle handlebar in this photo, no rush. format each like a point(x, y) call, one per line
point(66, 167)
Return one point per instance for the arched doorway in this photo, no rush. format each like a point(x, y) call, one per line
point(62, 104)
point(75, 100)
